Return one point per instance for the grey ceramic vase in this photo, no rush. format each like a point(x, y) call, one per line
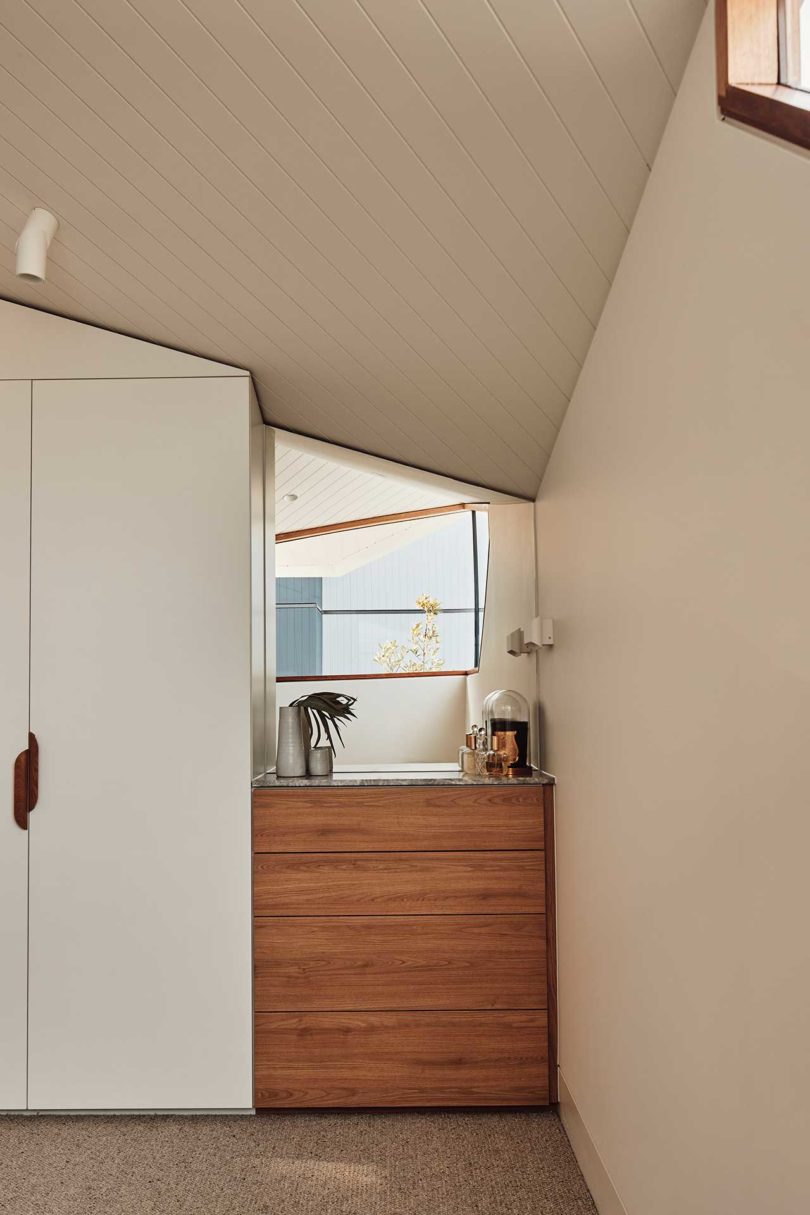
point(291, 753)
point(320, 761)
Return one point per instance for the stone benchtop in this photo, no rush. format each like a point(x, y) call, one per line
point(410, 774)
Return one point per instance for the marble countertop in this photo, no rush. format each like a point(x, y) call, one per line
point(402, 774)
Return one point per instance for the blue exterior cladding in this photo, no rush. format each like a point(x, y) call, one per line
point(299, 628)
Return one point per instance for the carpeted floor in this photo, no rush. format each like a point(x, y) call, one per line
point(499, 1163)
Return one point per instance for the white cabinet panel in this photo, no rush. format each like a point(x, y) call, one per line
point(140, 917)
point(15, 472)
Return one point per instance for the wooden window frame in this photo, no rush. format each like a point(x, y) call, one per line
point(750, 69)
point(374, 675)
point(349, 525)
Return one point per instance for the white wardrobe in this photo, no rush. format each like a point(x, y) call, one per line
point(130, 538)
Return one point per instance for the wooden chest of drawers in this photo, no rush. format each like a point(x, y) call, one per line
point(404, 946)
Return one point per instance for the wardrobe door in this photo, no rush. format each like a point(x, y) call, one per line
point(140, 953)
point(15, 487)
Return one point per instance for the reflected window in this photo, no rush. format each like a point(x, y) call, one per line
point(396, 598)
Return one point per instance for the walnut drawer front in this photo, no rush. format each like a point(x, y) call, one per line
point(398, 819)
point(400, 962)
point(401, 1059)
point(405, 883)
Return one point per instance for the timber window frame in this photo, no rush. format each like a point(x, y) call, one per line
point(479, 592)
point(752, 68)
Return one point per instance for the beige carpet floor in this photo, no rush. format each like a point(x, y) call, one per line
point(498, 1163)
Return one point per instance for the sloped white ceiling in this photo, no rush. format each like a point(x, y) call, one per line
point(325, 490)
point(402, 216)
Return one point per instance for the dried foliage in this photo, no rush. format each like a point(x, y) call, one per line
point(323, 710)
point(423, 651)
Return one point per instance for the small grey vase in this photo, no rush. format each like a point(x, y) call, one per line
point(320, 761)
point(291, 754)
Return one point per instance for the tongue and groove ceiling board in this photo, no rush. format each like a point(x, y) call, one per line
point(329, 491)
point(402, 216)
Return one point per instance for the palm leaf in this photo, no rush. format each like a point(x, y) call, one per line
point(327, 710)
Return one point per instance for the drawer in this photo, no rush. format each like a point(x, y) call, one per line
point(390, 883)
point(400, 962)
point(398, 819)
point(401, 1059)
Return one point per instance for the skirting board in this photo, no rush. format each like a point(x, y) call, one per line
point(590, 1162)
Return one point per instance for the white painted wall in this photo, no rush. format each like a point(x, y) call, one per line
point(511, 591)
point(674, 553)
point(398, 720)
point(36, 345)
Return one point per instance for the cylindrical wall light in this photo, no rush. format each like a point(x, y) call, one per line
point(32, 245)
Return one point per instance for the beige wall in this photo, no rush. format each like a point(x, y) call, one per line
point(674, 554)
point(411, 721)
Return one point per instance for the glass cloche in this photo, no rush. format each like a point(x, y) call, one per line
point(506, 719)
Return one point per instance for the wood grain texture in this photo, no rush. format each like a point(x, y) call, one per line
point(398, 819)
point(400, 1059)
point(748, 88)
point(753, 41)
point(33, 771)
point(21, 790)
point(350, 525)
point(400, 962)
point(776, 109)
point(721, 48)
point(551, 940)
point(372, 675)
point(398, 883)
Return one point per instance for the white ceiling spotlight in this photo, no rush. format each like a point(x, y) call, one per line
point(32, 245)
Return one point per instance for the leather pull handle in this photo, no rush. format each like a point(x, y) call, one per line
point(33, 771)
point(21, 790)
point(26, 782)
